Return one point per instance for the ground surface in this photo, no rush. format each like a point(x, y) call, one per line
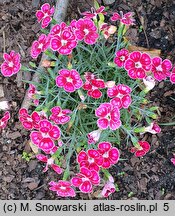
point(150, 177)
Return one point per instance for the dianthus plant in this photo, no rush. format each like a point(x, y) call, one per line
point(91, 98)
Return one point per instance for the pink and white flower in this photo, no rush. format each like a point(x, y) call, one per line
point(121, 96)
point(153, 128)
point(45, 137)
point(91, 160)
point(60, 116)
point(149, 82)
point(94, 12)
point(121, 57)
point(172, 76)
point(62, 39)
point(32, 92)
point(86, 30)
point(94, 136)
point(141, 149)
point(86, 179)
point(109, 187)
point(70, 80)
point(63, 188)
point(49, 162)
point(40, 45)
point(108, 30)
point(138, 64)
point(126, 19)
point(110, 154)
point(4, 120)
point(44, 15)
point(11, 64)
point(93, 86)
point(109, 116)
point(29, 122)
point(161, 69)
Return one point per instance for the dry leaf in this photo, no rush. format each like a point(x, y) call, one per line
point(151, 52)
point(33, 147)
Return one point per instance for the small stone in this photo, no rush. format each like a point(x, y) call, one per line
point(32, 185)
point(1, 91)
point(14, 135)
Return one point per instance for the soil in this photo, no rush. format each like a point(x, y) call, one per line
point(150, 177)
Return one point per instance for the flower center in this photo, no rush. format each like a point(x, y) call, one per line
point(63, 42)
point(69, 79)
point(106, 155)
point(108, 116)
point(91, 160)
point(11, 64)
point(138, 65)
point(86, 31)
point(159, 68)
point(119, 95)
point(63, 188)
point(122, 58)
point(40, 46)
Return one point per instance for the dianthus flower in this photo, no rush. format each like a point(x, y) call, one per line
point(172, 76)
point(137, 64)
point(161, 69)
point(62, 188)
point(107, 30)
point(4, 120)
point(121, 96)
point(40, 45)
point(32, 92)
point(93, 86)
point(85, 179)
point(153, 128)
point(11, 64)
point(94, 12)
point(70, 80)
point(109, 187)
point(44, 15)
point(86, 30)
point(60, 116)
point(91, 160)
point(94, 136)
point(62, 39)
point(45, 137)
point(121, 57)
point(149, 82)
point(141, 149)
point(126, 19)
point(109, 154)
point(30, 122)
point(109, 116)
point(49, 162)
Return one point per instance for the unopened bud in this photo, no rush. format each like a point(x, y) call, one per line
point(46, 63)
point(110, 84)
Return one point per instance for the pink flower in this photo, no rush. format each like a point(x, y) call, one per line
point(109, 116)
point(172, 76)
point(161, 69)
point(121, 94)
point(11, 64)
point(94, 12)
point(137, 64)
point(70, 80)
point(93, 86)
point(107, 30)
point(62, 39)
point(85, 179)
point(110, 154)
point(44, 15)
point(149, 82)
point(32, 92)
point(49, 162)
point(63, 188)
point(121, 57)
point(59, 116)
point(45, 137)
point(126, 19)
point(40, 45)
point(153, 128)
point(141, 149)
point(173, 160)
point(91, 160)
point(29, 122)
point(86, 30)
point(4, 120)
point(94, 136)
point(108, 189)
